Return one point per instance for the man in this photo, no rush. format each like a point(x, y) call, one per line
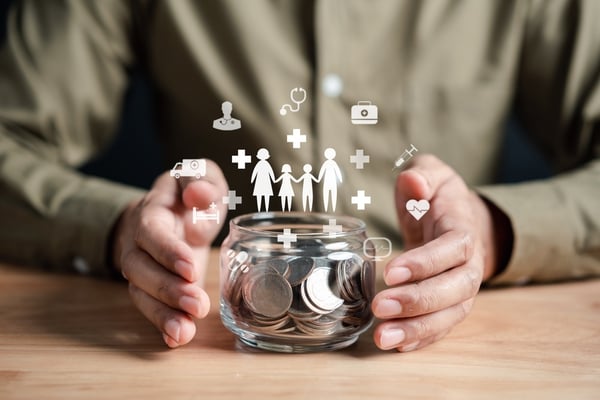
point(443, 74)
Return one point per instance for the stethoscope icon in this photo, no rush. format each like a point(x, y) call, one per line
point(295, 99)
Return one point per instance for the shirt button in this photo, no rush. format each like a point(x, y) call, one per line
point(332, 85)
point(81, 266)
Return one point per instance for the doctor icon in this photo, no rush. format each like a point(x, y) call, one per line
point(227, 123)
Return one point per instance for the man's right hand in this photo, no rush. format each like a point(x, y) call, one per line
point(164, 255)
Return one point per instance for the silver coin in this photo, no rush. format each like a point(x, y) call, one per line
point(319, 292)
point(340, 255)
point(368, 280)
point(277, 264)
point(267, 294)
point(299, 269)
point(305, 298)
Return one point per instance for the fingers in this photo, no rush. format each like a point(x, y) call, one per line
point(149, 276)
point(436, 293)
point(160, 228)
point(177, 327)
point(413, 333)
point(440, 274)
point(155, 234)
point(449, 250)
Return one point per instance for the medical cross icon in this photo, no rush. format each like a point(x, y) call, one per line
point(332, 228)
point(360, 200)
point(296, 138)
point(232, 200)
point(287, 238)
point(241, 159)
point(359, 159)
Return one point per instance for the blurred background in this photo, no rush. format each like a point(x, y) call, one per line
point(134, 157)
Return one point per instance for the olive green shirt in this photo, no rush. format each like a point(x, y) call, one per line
point(444, 75)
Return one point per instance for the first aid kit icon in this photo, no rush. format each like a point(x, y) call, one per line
point(364, 113)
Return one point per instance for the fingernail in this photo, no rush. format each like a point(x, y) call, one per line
point(398, 275)
point(388, 308)
point(185, 270)
point(410, 347)
point(170, 342)
point(190, 305)
point(392, 337)
point(172, 328)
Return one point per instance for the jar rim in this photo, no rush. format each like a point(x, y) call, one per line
point(352, 225)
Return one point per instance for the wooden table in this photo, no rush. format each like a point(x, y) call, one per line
point(71, 337)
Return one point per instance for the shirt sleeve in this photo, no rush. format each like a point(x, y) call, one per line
point(556, 222)
point(63, 73)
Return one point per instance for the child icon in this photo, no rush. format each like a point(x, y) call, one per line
point(286, 191)
point(330, 174)
point(307, 187)
point(262, 176)
point(227, 123)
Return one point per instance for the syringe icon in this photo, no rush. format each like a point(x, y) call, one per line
point(407, 155)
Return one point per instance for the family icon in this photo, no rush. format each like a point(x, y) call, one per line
point(263, 177)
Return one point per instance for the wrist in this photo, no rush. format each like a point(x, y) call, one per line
point(500, 240)
point(118, 232)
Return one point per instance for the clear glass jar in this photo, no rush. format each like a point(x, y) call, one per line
point(297, 282)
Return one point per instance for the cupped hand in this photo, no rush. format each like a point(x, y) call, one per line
point(164, 255)
point(449, 252)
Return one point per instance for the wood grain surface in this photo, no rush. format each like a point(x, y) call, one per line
point(72, 337)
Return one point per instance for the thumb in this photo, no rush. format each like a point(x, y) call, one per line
point(411, 185)
point(201, 194)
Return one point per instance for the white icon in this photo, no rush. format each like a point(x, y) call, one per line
point(417, 208)
point(296, 138)
point(408, 154)
point(241, 159)
point(227, 123)
point(332, 228)
point(262, 176)
point(191, 167)
point(286, 191)
point(203, 215)
point(373, 246)
point(359, 159)
point(307, 187)
point(287, 238)
point(330, 174)
point(364, 113)
point(298, 96)
point(232, 200)
point(360, 200)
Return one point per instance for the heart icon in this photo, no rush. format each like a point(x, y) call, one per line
point(417, 208)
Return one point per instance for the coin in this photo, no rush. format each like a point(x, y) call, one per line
point(268, 294)
point(277, 264)
point(368, 280)
point(313, 296)
point(318, 292)
point(300, 267)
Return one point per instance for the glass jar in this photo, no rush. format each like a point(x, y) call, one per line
point(297, 282)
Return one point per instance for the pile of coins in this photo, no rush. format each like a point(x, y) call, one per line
point(317, 296)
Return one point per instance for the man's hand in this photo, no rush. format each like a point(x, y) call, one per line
point(163, 254)
point(449, 252)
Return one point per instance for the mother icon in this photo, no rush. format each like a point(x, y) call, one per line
point(262, 177)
